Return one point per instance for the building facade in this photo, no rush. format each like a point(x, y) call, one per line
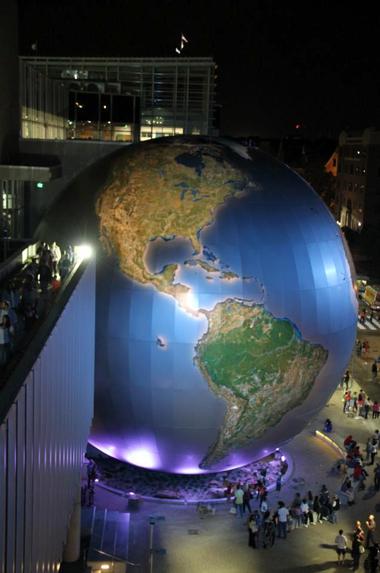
point(116, 99)
point(46, 409)
point(358, 179)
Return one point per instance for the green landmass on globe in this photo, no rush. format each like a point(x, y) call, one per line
point(259, 365)
point(153, 195)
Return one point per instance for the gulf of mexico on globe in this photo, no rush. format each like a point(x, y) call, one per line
point(225, 307)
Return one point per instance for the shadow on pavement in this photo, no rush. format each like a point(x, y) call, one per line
point(326, 566)
point(370, 493)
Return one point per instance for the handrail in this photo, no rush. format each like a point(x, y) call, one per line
point(14, 375)
point(114, 557)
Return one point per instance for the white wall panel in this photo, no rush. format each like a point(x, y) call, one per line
point(3, 493)
point(43, 439)
point(20, 481)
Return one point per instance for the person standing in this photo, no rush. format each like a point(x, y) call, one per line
point(305, 510)
point(373, 558)
point(335, 507)
point(263, 506)
point(373, 451)
point(367, 407)
point(346, 379)
point(341, 546)
point(239, 495)
point(346, 401)
point(356, 551)
point(368, 449)
point(247, 498)
point(283, 514)
point(377, 477)
point(253, 530)
point(374, 370)
point(371, 526)
point(5, 339)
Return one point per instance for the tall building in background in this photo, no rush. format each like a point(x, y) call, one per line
point(358, 179)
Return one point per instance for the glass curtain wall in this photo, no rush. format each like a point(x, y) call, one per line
point(170, 96)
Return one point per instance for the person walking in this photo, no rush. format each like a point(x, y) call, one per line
point(283, 514)
point(341, 546)
point(374, 370)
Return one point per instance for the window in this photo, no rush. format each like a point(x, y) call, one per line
point(12, 209)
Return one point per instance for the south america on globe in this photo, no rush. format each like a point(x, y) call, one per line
point(226, 312)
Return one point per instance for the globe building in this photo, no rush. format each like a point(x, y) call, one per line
point(225, 306)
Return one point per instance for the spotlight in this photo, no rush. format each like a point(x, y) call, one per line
point(84, 251)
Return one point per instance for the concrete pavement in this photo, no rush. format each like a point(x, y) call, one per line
point(219, 543)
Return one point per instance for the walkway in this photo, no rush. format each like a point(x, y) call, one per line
point(218, 544)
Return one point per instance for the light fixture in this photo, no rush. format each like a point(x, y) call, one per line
point(84, 251)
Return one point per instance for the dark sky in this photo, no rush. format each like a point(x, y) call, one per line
point(316, 63)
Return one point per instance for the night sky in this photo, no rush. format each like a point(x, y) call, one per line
point(313, 63)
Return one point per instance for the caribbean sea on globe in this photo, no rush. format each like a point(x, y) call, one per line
point(226, 312)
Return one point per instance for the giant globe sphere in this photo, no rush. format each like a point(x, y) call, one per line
point(226, 312)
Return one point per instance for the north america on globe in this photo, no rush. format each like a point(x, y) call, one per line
point(259, 364)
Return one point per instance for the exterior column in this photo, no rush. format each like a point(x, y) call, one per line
point(71, 551)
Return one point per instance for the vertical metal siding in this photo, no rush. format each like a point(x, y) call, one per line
point(43, 439)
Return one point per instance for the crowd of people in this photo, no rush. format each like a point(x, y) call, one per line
point(358, 467)
point(265, 523)
point(358, 403)
point(25, 296)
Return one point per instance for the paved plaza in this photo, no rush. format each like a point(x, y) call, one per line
point(219, 543)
